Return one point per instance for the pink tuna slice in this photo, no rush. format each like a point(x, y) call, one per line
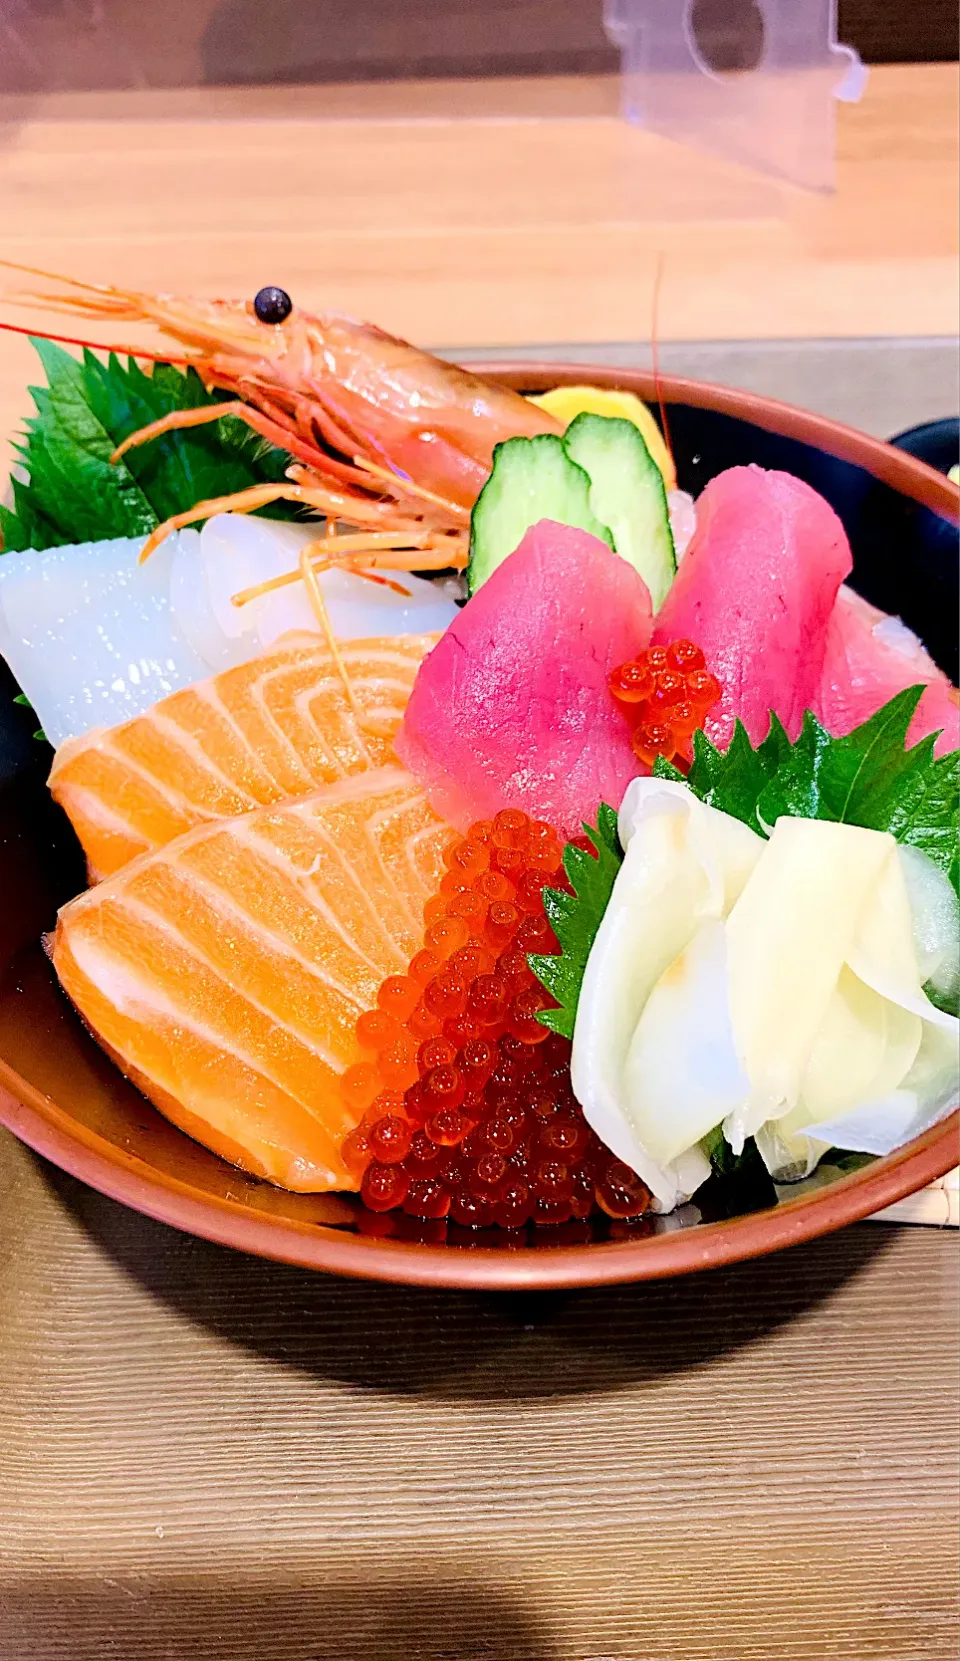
point(512, 707)
point(870, 658)
point(755, 590)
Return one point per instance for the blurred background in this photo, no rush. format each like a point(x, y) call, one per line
point(80, 45)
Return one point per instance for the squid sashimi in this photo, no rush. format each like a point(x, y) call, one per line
point(276, 727)
point(95, 636)
point(513, 707)
point(755, 591)
point(870, 658)
point(225, 974)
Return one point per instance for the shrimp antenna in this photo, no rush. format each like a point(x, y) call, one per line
point(58, 277)
point(90, 345)
point(655, 353)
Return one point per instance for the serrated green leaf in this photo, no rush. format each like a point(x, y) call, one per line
point(74, 493)
point(873, 760)
point(576, 918)
point(664, 769)
point(733, 780)
point(72, 484)
point(848, 780)
point(795, 788)
point(23, 525)
point(924, 813)
point(187, 466)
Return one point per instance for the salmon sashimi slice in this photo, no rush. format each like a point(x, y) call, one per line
point(224, 973)
point(273, 728)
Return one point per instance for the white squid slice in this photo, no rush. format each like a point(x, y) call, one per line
point(94, 638)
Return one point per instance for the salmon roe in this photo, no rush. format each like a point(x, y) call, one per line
point(467, 1108)
point(665, 693)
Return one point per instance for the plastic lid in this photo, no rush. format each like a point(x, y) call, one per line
point(752, 80)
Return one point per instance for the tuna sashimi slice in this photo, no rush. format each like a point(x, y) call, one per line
point(870, 658)
point(755, 590)
point(275, 727)
point(512, 707)
point(225, 973)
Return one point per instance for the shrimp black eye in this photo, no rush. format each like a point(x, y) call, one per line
point(272, 305)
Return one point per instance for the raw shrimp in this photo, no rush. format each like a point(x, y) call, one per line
point(387, 437)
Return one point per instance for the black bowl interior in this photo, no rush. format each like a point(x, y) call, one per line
point(935, 442)
point(904, 556)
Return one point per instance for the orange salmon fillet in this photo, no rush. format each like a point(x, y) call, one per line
point(224, 973)
point(276, 727)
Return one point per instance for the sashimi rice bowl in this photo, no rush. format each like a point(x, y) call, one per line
point(489, 841)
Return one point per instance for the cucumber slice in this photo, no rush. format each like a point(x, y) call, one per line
point(627, 493)
point(532, 479)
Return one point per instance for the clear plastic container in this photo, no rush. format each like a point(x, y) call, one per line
point(755, 81)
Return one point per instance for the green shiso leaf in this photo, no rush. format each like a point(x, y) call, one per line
point(576, 918)
point(25, 525)
point(734, 779)
point(188, 466)
point(67, 457)
point(72, 492)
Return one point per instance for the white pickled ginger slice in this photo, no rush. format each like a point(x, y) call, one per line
point(881, 1062)
point(684, 865)
point(771, 986)
point(935, 911)
point(682, 1073)
point(788, 937)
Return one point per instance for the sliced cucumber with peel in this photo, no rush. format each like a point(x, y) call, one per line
point(600, 477)
point(532, 479)
point(627, 493)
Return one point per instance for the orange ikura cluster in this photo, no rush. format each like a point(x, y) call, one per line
point(468, 1110)
point(665, 692)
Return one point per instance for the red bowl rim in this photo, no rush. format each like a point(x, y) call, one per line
point(75, 1148)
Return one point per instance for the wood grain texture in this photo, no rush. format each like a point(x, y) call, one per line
point(483, 213)
point(214, 1457)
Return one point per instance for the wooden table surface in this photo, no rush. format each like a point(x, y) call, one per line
point(210, 1458)
point(484, 213)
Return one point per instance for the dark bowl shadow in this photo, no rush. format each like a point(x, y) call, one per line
point(331, 1610)
point(450, 1345)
